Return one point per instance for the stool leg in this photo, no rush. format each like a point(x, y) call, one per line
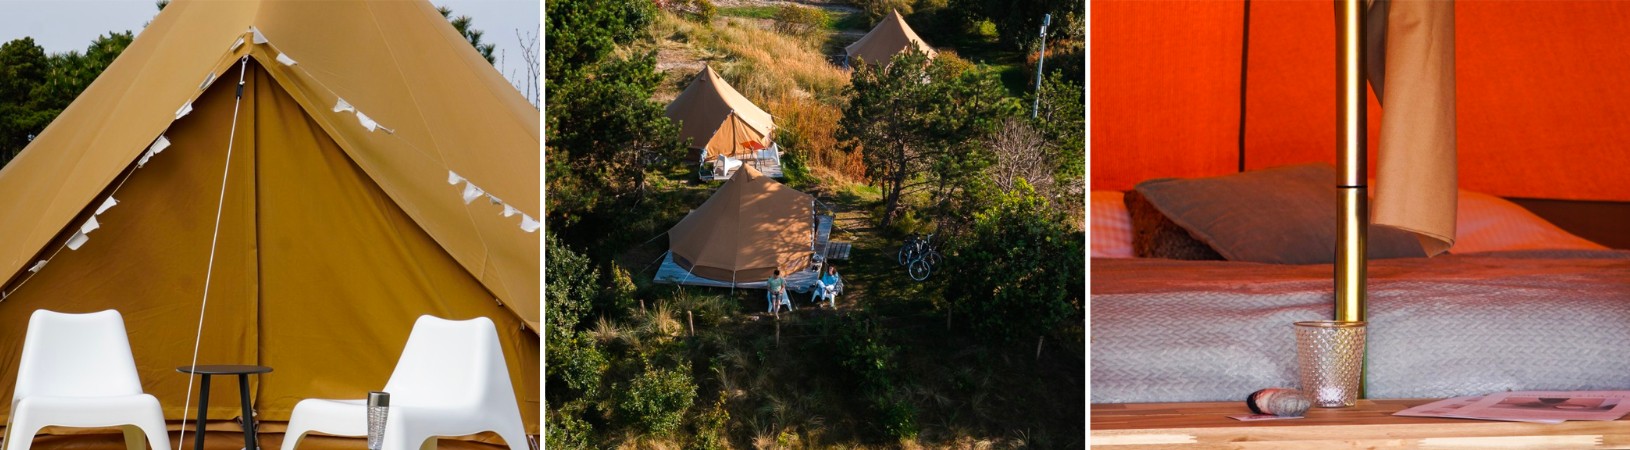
point(203, 414)
point(251, 441)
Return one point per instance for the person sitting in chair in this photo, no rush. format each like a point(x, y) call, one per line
point(827, 287)
point(776, 292)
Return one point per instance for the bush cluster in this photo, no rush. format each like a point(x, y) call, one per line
point(799, 20)
point(862, 351)
point(655, 400)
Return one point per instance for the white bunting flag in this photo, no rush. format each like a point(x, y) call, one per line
point(529, 225)
point(38, 266)
point(159, 145)
point(144, 157)
point(206, 82)
point(258, 38)
point(187, 108)
point(285, 59)
point(494, 199)
point(453, 178)
point(90, 225)
point(366, 122)
point(78, 240)
point(471, 193)
point(236, 44)
point(105, 205)
point(343, 106)
point(510, 211)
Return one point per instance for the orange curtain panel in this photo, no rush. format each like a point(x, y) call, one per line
point(1534, 94)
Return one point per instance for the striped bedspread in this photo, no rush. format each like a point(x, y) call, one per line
point(1164, 330)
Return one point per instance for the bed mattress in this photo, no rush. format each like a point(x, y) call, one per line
point(1167, 331)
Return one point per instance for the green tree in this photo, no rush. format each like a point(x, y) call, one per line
point(1018, 21)
point(72, 72)
point(1062, 120)
point(462, 23)
point(917, 123)
point(1020, 274)
point(877, 9)
point(23, 66)
point(582, 32)
point(605, 133)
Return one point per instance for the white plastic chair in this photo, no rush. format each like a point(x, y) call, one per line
point(724, 166)
point(77, 371)
point(450, 381)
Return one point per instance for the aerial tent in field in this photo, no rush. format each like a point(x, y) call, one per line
point(750, 227)
point(292, 183)
point(720, 122)
point(890, 37)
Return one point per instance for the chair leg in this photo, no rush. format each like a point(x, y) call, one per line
point(157, 435)
point(291, 438)
point(134, 437)
point(20, 434)
point(515, 438)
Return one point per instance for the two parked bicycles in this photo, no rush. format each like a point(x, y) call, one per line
point(919, 255)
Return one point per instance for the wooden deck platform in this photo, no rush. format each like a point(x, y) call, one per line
point(801, 281)
point(670, 273)
point(770, 167)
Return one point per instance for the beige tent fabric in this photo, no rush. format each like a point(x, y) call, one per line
point(1416, 183)
point(717, 118)
point(750, 227)
point(333, 238)
point(889, 37)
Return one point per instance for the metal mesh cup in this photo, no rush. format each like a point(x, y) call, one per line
point(378, 409)
point(1331, 356)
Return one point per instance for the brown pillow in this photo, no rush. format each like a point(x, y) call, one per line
point(1284, 215)
point(1155, 236)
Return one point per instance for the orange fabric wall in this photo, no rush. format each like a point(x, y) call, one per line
point(1543, 90)
point(1538, 90)
point(1165, 89)
point(1290, 109)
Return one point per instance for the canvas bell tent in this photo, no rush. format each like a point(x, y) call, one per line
point(719, 120)
point(888, 38)
point(752, 226)
point(371, 168)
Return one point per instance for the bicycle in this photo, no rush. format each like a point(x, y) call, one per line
point(914, 246)
point(919, 255)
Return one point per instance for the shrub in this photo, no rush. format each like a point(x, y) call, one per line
point(566, 430)
point(575, 361)
point(656, 399)
point(616, 296)
point(799, 20)
point(861, 350)
point(898, 418)
point(712, 427)
point(701, 11)
point(570, 286)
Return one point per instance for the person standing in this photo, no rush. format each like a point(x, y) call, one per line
point(776, 292)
